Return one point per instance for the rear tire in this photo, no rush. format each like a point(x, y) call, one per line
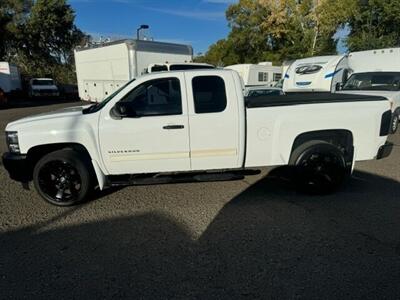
point(63, 178)
point(320, 167)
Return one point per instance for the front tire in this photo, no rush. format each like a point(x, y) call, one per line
point(63, 178)
point(320, 167)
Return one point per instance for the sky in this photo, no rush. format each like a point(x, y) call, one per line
point(199, 23)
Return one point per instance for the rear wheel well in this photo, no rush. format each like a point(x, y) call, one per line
point(36, 153)
point(342, 139)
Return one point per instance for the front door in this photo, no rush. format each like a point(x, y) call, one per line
point(155, 136)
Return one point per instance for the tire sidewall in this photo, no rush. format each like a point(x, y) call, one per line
point(70, 157)
point(303, 175)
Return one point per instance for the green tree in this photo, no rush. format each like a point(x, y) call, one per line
point(13, 16)
point(39, 36)
point(374, 24)
point(278, 30)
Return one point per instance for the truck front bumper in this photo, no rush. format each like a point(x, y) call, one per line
point(385, 150)
point(17, 167)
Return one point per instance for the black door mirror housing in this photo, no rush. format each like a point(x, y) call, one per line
point(123, 110)
point(120, 111)
point(339, 86)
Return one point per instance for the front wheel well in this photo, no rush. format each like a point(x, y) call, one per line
point(38, 152)
point(342, 139)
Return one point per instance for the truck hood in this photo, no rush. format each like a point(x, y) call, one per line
point(71, 112)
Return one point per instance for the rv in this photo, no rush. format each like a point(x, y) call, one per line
point(261, 74)
point(376, 72)
point(104, 68)
point(316, 74)
point(10, 81)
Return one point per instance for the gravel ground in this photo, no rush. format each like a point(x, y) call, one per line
point(255, 238)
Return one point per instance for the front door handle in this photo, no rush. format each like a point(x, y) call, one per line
point(172, 127)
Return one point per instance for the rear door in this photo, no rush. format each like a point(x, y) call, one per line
point(213, 121)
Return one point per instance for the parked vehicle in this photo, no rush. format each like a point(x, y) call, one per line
point(257, 91)
point(376, 72)
point(10, 81)
point(104, 68)
point(43, 87)
point(177, 67)
point(261, 74)
point(316, 74)
point(194, 126)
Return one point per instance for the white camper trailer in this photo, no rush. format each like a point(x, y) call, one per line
point(261, 74)
point(103, 69)
point(316, 74)
point(10, 78)
point(376, 73)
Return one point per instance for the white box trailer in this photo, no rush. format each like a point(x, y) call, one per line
point(263, 73)
point(316, 74)
point(103, 69)
point(10, 78)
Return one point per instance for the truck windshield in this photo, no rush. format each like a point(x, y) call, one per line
point(42, 82)
point(189, 67)
point(98, 106)
point(373, 81)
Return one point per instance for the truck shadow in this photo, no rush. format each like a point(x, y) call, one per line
point(267, 242)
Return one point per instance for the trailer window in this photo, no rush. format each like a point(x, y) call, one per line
point(262, 76)
point(277, 76)
point(159, 97)
point(209, 94)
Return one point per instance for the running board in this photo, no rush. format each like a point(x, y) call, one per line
point(153, 179)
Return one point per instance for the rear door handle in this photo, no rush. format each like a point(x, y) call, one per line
point(173, 127)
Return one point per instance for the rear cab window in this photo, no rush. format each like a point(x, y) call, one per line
point(209, 94)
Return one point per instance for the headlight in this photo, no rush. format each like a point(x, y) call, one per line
point(12, 141)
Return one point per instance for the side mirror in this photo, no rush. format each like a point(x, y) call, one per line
point(339, 86)
point(120, 111)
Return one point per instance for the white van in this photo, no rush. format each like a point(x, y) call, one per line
point(43, 87)
point(316, 74)
point(376, 73)
point(263, 73)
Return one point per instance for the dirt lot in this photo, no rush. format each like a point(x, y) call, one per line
point(255, 238)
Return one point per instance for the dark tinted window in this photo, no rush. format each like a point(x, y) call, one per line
point(159, 68)
point(155, 98)
point(189, 67)
point(209, 94)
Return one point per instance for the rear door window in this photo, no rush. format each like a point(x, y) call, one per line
point(209, 94)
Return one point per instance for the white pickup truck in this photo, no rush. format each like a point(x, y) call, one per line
point(194, 125)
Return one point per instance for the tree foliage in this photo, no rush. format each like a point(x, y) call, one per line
point(279, 30)
point(40, 37)
point(374, 24)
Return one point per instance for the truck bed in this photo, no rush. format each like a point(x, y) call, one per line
point(306, 98)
